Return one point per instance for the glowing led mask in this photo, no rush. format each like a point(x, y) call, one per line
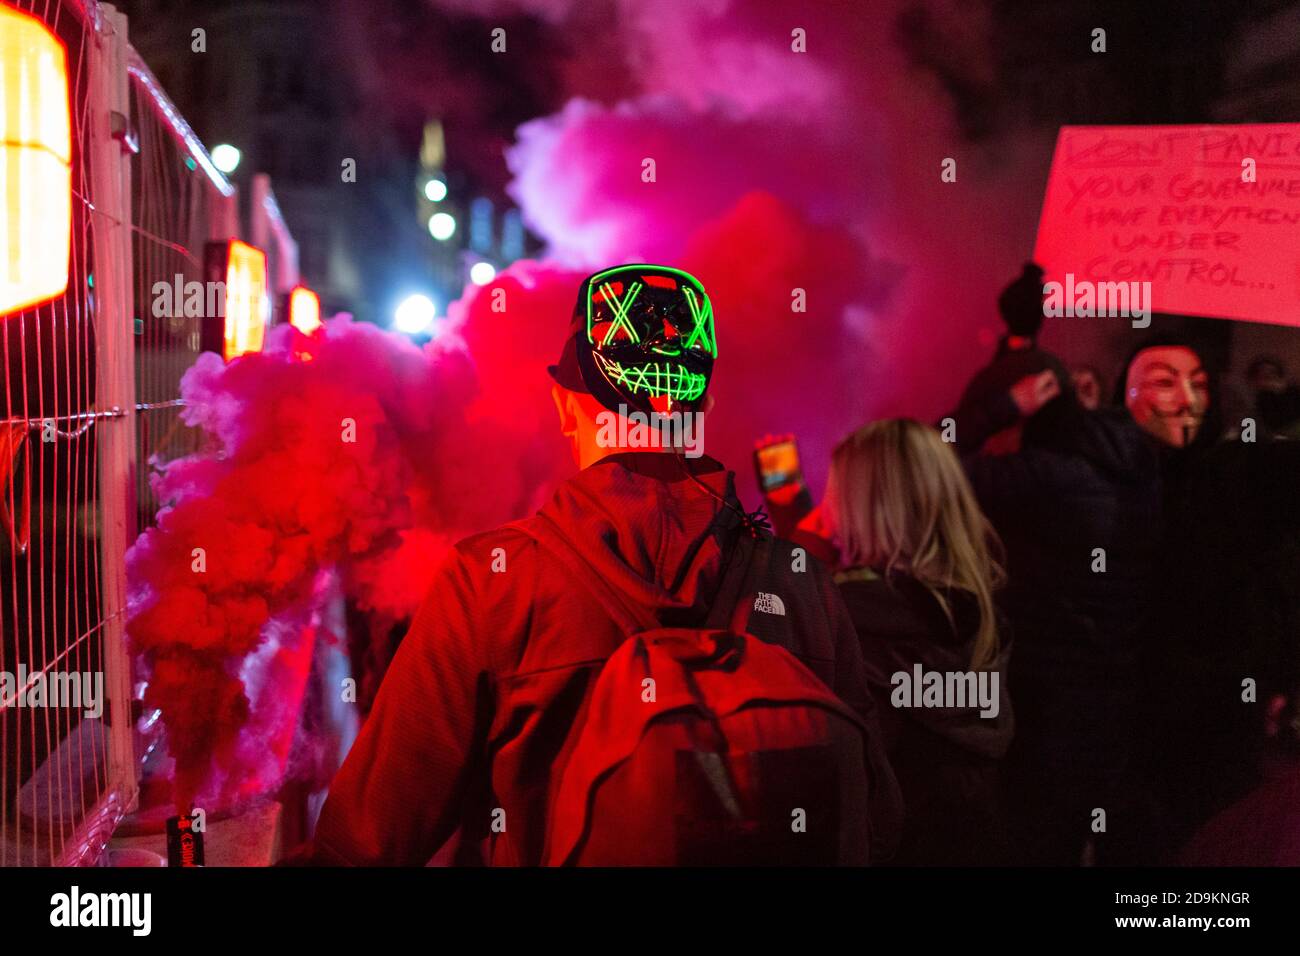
point(649, 340)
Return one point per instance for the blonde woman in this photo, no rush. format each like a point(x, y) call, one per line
point(918, 567)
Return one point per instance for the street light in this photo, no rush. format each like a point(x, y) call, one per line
point(442, 225)
point(435, 190)
point(415, 314)
point(226, 158)
point(481, 273)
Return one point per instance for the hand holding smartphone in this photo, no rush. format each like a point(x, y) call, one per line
point(776, 462)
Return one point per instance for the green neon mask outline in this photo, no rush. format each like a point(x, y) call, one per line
point(621, 310)
point(656, 378)
point(672, 380)
point(701, 315)
point(689, 283)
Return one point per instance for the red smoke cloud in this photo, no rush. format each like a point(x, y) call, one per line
point(780, 369)
point(353, 453)
point(355, 456)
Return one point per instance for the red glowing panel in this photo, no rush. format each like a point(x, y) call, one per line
point(35, 163)
point(242, 324)
point(248, 306)
point(1207, 215)
point(304, 310)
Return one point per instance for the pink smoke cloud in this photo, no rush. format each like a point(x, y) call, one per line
point(848, 136)
point(578, 175)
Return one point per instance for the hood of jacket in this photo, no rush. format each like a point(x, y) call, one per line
point(654, 526)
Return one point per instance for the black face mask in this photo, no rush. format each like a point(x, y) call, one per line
point(649, 341)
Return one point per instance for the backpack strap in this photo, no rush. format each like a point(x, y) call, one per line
point(734, 601)
point(630, 618)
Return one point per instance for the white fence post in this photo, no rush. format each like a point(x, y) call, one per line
point(110, 167)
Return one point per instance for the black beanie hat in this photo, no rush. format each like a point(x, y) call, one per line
point(1021, 302)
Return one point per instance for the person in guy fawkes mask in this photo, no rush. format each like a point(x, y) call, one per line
point(1227, 596)
point(637, 674)
point(1073, 495)
point(1169, 390)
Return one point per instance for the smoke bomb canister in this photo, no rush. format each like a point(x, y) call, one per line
point(184, 843)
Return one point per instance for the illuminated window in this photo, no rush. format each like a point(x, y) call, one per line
point(35, 163)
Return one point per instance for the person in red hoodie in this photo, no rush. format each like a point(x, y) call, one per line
point(489, 692)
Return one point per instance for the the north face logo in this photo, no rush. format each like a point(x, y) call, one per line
point(769, 604)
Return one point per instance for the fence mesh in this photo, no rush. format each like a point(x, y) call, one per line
point(172, 203)
point(52, 761)
point(63, 776)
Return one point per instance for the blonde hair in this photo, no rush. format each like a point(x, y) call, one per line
point(897, 500)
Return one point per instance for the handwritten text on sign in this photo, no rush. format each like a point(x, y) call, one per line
point(1209, 215)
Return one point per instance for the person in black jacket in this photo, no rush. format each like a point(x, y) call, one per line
point(1020, 306)
point(918, 565)
point(1222, 644)
point(1075, 497)
point(1168, 390)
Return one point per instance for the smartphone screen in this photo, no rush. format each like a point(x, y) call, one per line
point(778, 464)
